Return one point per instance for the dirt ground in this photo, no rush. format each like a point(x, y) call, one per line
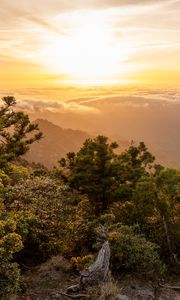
point(47, 281)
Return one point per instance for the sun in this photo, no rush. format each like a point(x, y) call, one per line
point(88, 52)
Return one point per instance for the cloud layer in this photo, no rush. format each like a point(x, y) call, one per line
point(147, 114)
point(149, 31)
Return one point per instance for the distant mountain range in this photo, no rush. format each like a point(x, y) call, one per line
point(55, 144)
point(58, 141)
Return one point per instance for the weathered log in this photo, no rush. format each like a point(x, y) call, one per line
point(98, 271)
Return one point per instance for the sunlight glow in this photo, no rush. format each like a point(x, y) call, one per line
point(89, 52)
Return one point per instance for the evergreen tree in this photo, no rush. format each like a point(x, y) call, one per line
point(16, 131)
point(93, 171)
point(134, 163)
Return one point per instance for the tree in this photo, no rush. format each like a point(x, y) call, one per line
point(103, 175)
point(134, 163)
point(157, 197)
point(167, 186)
point(92, 171)
point(16, 131)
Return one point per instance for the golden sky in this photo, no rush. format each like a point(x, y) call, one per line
point(53, 42)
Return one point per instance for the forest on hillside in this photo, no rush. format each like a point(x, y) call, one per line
point(45, 213)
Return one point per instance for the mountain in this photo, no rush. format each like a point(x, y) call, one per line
point(55, 144)
point(58, 141)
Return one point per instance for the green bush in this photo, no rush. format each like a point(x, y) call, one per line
point(81, 263)
point(9, 280)
point(42, 208)
point(132, 252)
point(10, 243)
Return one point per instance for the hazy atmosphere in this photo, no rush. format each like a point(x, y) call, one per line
point(89, 149)
point(110, 67)
point(53, 42)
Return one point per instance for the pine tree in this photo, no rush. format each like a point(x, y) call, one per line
point(16, 131)
point(92, 171)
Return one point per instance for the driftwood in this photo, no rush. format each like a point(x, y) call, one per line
point(96, 273)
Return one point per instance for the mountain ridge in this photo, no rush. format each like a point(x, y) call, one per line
point(57, 141)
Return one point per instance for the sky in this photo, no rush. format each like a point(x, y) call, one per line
point(109, 67)
point(51, 43)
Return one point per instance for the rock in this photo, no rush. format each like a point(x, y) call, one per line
point(166, 294)
point(145, 293)
point(55, 296)
point(122, 297)
point(138, 291)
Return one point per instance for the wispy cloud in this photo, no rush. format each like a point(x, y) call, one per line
point(29, 28)
point(23, 14)
point(34, 105)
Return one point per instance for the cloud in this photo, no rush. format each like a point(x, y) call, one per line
point(38, 11)
point(29, 27)
point(18, 12)
point(138, 113)
point(34, 105)
point(104, 105)
point(145, 98)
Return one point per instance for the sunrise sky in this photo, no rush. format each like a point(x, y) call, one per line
point(56, 42)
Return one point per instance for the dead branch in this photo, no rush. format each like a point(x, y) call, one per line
point(173, 287)
point(74, 296)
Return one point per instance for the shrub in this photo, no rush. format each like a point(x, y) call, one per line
point(132, 252)
point(10, 242)
point(42, 208)
point(9, 280)
point(109, 290)
point(81, 263)
point(17, 172)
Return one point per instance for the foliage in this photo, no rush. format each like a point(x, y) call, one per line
point(134, 163)
point(81, 229)
point(16, 172)
point(132, 252)
point(10, 242)
point(41, 214)
point(80, 263)
point(96, 194)
point(9, 280)
point(16, 131)
point(104, 176)
point(157, 198)
point(109, 290)
point(4, 180)
point(92, 171)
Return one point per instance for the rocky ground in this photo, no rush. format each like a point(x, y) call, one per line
point(50, 280)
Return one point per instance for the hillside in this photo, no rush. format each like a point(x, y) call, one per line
point(58, 141)
point(106, 212)
point(55, 144)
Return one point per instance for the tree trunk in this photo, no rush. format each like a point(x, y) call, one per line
point(97, 272)
point(172, 254)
